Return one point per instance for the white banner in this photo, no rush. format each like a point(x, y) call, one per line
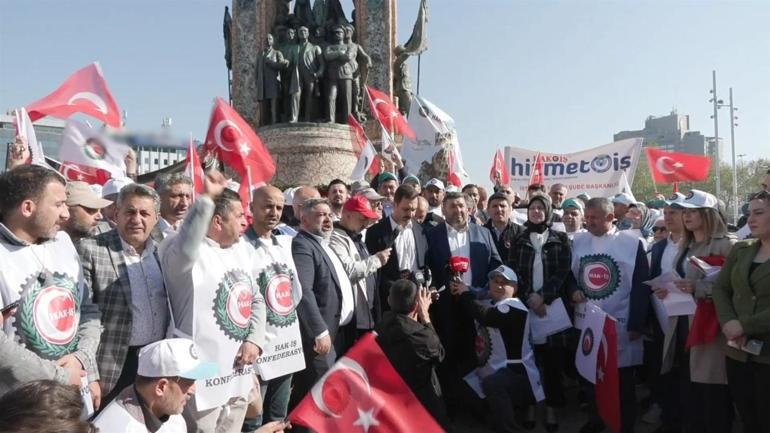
point(595, 171)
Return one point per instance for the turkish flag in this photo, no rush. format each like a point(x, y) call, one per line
point(705, 323)
point(237, 145)
point(453, 173)
point(390, 118)
point(364, 150)
point(363, 393)
point(607, 377)
point(194, 169)
point(84, 173)
point(538, 177)
point(498, 174)
point(670, 167)
point(85, 92)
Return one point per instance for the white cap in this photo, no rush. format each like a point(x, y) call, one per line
point(288, 196)
point(174, 357)
point(370, 194)
point(114, 185)
point(233, 186)
point(677, 197)
point(435, 182)
point(697, 199)
point(623, 198)
point(505, 272)
point(96, 188)
point(452, 188)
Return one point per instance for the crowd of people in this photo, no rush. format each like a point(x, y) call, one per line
point(131, 308)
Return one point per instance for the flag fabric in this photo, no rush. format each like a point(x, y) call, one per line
point(453, 175)
point(25, 130)
point(498, 174)
point(625, 187)
point(194, 169)
point(87, 149)
point(590, 319)
point(671, 167)
point(365, 162)
point(389, 148)
point(387, 113)
point(236, 144)
point(363, 393)
point(538, 177)
point(84, 173)
point(607, 377)
point(418, 41)
point(362, 143)
point(705, 323)
point(85, 92)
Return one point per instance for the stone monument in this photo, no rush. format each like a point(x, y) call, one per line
point(310, 144)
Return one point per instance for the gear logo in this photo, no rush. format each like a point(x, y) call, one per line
point(232, 304)
point(599, 276)
point(47, 319)
point(94, 149)
point(275, 285)
point(601, 163)
point(587, 342)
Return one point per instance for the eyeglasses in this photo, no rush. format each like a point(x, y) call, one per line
point(658, 229)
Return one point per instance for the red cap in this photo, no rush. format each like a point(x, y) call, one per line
point(360, 204)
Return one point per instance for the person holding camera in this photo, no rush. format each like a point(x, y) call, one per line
point(408, 339)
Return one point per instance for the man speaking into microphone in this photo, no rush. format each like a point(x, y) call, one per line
point(458, 237)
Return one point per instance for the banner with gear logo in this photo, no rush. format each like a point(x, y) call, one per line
point(279, 285)
point(49, 314)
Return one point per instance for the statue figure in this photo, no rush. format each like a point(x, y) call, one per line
point(339, 76)
point(281, 11)
point(303, 13)
point(402, 83)
point(357, 55)
point(319, 14)
point(269, 63)
point(416, 45)
point(290, 77)
point(311, 68)
point(334, 13)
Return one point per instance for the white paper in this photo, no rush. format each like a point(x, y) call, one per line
point(555, 320)
point(88, 399)
point(664, 281)
point(590, 340)
point(581, 310)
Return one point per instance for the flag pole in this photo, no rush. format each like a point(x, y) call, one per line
point(419, 57)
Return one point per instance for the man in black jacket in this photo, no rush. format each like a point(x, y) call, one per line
point(503, 229)
point(408, 339)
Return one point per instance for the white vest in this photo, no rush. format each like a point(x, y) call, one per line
point(278, 283)
point(497, 355)
point(604, 269)
point(48, 281)
point(224, 288)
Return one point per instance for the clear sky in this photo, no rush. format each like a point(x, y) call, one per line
point(555, 76)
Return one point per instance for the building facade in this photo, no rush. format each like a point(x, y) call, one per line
point(672, 133)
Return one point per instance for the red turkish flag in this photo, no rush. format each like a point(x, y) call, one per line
point(390, 118)
point(607, 379)
point(194, 169)
point(363, 393)
point(84, 173)
point(538, 177)
point(85, 92)
point(362, 143)
point(237, 145)
point(453, 176)
point(498, 174)
point(670, 167)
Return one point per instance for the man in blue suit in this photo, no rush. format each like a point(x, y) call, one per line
point(457, 236)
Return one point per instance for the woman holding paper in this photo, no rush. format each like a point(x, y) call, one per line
point(542, 258)
point(742, 298)
point(708, 407)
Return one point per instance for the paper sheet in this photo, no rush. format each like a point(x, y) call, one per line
point(554, 321)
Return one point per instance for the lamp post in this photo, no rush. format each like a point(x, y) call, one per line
point(733, 124)
point(717, 104)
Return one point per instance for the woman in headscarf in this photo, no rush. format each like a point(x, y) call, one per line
point(642, 220)
point(542, 258)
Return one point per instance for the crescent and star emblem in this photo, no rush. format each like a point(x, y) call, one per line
point(90, 97)
point(660, 164)
point(218, 133)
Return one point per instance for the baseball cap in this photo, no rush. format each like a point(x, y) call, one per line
point(114, 185)
point(386, 176)
point(233, 185)
point(697, 199)
point(370, 194)
point(584, 195)
point(434, 182)
point(81, 194)
point(411, 179)
point(572, 202)
point(623, 198)
point(360, 204)
point(676, 197)
point(359, 185)
point(505, 272)
point(174, 357)
point(452, 188)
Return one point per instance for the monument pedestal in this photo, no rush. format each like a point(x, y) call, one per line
point(309, 153)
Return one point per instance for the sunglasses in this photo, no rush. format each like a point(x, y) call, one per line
point(658, 229)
